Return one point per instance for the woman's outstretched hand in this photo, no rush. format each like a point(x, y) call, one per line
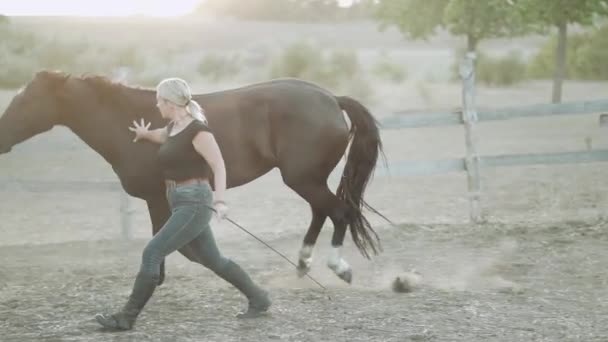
point(140, 129)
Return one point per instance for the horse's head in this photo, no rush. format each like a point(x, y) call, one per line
point(35, 109)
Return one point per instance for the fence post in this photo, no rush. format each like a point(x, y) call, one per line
point(126, 209)
point(589, 143)
point(469, 117)
point(604, 120)
point(126, 213)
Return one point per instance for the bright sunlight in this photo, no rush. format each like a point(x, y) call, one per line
point(105, 8)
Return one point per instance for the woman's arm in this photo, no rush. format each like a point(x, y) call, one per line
point(206, 145)
point(158, 136)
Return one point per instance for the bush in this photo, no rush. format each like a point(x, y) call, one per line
point(501, 71)
point(586, 57)
point(344, 64)
point(543, 63)
point(305, 61)
point(390, 71)
point(147, 79)
point(127, 56)
point(299, 60)
point(23, 53)
point(590, 60)
point(54, 54)
point(17, 63)
point(217, 67)
point(360, 88)
point(15, 75)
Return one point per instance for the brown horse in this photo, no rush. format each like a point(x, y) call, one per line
point(290, 124)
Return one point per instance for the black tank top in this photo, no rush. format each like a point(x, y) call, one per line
point(177, 156)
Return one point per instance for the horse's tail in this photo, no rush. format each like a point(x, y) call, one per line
point(365, 147)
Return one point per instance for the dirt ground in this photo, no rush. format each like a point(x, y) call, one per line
point(536, 271)
point(495, 282)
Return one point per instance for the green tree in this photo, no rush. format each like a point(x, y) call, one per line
point(416, 19)
point(560, 14)
point(475, 19)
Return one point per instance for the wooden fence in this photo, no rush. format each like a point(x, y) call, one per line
point(472, 163)
point(126, 204)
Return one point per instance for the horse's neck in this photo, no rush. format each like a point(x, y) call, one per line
point(96, 135)
point(105, 127)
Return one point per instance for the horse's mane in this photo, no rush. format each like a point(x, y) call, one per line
point(99, 82)
point(111, 92)
point(114, 93)
point(105, 84)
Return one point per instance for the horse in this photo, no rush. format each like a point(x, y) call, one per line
point(286, 123)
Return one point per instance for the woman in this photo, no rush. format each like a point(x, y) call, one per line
point(188, 155)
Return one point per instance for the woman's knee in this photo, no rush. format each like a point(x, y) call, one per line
point(214, 262)
point(151, 259)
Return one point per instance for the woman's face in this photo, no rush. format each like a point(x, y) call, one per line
point(165, 107)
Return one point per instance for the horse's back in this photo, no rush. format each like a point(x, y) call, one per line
point(288, 100)
point(265, 124)
point(278, 85)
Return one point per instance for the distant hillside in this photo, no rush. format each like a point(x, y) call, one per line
point(231, 34)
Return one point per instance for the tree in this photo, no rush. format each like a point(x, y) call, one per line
point(416, 19)
point(475, 19)
point(560, 14)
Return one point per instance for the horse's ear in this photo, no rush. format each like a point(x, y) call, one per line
point(44, 74)
point(54, 79)
point(53, 82)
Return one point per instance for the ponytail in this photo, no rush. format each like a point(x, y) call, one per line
point(195, 111)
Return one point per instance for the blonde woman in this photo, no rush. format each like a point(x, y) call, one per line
point(188, 155)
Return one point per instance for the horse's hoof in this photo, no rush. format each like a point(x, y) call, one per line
point(302, 269)
point(347, 276)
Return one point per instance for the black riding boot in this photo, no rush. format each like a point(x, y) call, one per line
point(125, 319)
point(259, 301)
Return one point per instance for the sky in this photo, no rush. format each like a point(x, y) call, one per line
point(157, 8)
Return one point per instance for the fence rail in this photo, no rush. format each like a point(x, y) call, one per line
point(432, 167)
point(428, 119)
point(472, 163)
point(126, 204)
point(58, 186)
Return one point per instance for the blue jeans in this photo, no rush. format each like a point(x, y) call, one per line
point(189, 222)
point(188, 225)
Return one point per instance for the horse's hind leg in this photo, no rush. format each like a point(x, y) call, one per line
point(320, 199)
point(335, 261)
point(305, 255)
point(323, 203)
